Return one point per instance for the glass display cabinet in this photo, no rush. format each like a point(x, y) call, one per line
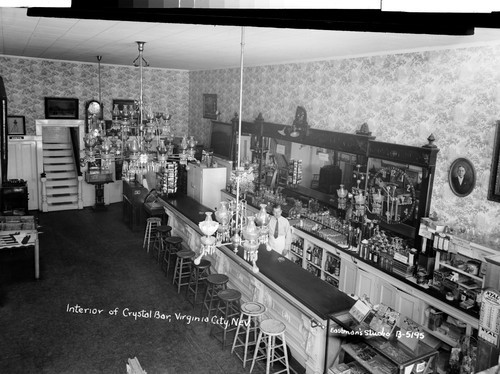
point(401, 351)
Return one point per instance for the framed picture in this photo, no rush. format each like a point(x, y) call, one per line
point(210, 106)
point(462, 177)
point(16, 125)
point(494, 187)
point(61, 108)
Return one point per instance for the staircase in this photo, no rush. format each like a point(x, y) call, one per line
point(61, 184)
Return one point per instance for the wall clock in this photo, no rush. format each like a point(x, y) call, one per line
point(392, 195)
point(93, 114)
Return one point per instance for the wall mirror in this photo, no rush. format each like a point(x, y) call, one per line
point(323, 169)
point(494, 187)
point(394, 191)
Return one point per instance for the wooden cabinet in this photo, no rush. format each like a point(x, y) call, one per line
point(348, 276)
point(205, 184)
point(387, 294)
point(409, 306)
point(367, 285)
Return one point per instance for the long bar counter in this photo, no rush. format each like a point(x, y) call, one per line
point(291, 294)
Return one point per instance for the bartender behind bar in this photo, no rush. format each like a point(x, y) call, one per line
point(280, 234)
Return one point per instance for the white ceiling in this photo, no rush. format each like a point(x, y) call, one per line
point(201, 47)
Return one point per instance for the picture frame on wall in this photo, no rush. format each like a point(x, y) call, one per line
point(16, 125)
point(210, 106)
point(462, 177)
point(61, 108)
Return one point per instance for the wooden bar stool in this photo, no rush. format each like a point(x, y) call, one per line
point(183, 268)
point(162, 232)
point(152, 224)
point(228, 308)
point(249, 323)
point(215, 283)
point(198, 275)
point(172, 245)
point(270, 329)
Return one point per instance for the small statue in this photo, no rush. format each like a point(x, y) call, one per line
point(299, 126)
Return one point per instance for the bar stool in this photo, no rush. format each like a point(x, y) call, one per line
point(152, 224)
point(215, 283)
point(248, 323)
point(162, 232)
point(183, 268)
point(228, 307)
point(269, 330)
point(198, 274)
point(173, 244)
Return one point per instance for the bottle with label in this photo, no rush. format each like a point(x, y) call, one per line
point(309, 254)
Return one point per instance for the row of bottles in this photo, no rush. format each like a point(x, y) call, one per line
point(332, 265)
point(314, 255)
point(297, 246)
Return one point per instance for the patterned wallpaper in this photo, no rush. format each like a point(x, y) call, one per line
point(454, 94)
point(29, 81)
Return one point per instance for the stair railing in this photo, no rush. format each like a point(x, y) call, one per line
point(76, 158)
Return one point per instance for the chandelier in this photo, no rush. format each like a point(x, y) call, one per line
point(141, 138)
point(234, 226)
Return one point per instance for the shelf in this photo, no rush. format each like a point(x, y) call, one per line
point(369, 365)
point(461, 271)
point(313, 264)
point(331, 275)
point(442, 337)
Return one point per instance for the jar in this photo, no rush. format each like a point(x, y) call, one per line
point(473, 267)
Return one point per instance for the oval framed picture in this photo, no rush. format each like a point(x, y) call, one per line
point(462, 177)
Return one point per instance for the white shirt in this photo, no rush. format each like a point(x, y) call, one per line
point(284, 239)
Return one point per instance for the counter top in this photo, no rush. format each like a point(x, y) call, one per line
point(318, 296)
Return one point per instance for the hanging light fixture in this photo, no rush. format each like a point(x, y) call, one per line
point(235, 227)
point(135, 130)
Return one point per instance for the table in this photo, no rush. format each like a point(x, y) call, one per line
point(20, 232)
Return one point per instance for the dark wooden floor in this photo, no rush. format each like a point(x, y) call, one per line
point(92, 260)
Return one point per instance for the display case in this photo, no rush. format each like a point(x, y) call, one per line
point(397, 350)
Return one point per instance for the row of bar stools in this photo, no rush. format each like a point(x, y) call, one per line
point(152, 224)
point(182, 269)
point(197, 277)
point(162, 232)
point(172, 245)
point(215, 283)
point(248, 324)
point(228, 308)
point(270, 329)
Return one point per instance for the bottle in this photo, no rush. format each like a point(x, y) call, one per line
point(309, 254)
point(375, 255)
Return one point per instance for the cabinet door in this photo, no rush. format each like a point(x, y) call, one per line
point(348, 276)
point(387, 294)
point(367, 284)
point(410, 306)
